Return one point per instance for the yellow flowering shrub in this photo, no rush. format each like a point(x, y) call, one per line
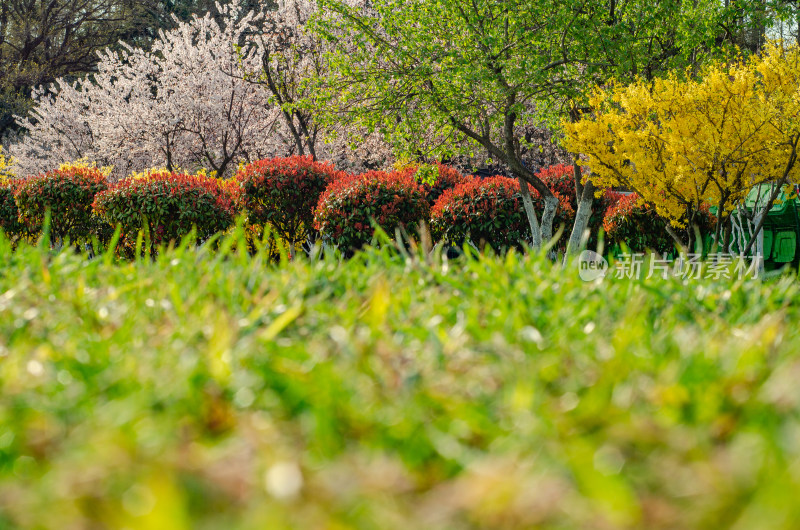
point(84, 163)
point(683, 141)
point(6, 164)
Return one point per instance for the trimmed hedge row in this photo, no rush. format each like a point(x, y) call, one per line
point(68, 192)
point(350, 204)
point(302, 199)
point(485, 211)
point(283, 193)
point(169, 205)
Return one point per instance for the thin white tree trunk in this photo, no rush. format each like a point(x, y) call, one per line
point(527, 201)
point(759, 255)
point(549, 214)
point(580, 232)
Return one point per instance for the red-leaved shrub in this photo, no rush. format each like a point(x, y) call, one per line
point(168, 205)
point(638, 225)
point(446, 177)
point(345, 210)
point(9, 214)
point(484, 211)
point(283, 192)
point(68, 193)
point(561, 180)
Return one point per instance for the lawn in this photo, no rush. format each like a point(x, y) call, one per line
point(211, 389)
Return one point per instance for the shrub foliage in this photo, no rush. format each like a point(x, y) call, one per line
point(68, 192)
point(9, 214)
point(168, 205)
point(637, 225)
point(349, 205)
point(284, 192)
point(631, 221)
point(485, 211)
point(444, 178)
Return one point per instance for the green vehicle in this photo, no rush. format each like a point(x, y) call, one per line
point(781, 227)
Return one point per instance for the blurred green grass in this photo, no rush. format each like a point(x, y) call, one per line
point(207, 388)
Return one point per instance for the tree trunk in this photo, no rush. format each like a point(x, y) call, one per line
point(549, 214)
point(523, 174)
point(761, 218)
point(726, 238)
point(531, 213)
point(578, 236)
point(675, 237)
point(759, 242)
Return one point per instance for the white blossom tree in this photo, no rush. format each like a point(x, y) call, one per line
point(213, 92)
point(179, 104)
point(283, 55)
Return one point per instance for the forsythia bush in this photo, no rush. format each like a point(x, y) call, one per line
point(482, 210)
point(5, 167)
point(168, 204)
point(345, 210)
point(681, 142)
point(283, 193)
point(68, 192)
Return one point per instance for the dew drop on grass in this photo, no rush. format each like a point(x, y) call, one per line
point(569, 401)
point(244, 397)
point(138, 501)
point(284, 480)
point(35, 368)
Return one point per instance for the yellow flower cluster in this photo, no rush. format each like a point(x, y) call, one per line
point(84, 163)
point(159, 170)
point(149, 172)
point(686, 140)
point(6, 164)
